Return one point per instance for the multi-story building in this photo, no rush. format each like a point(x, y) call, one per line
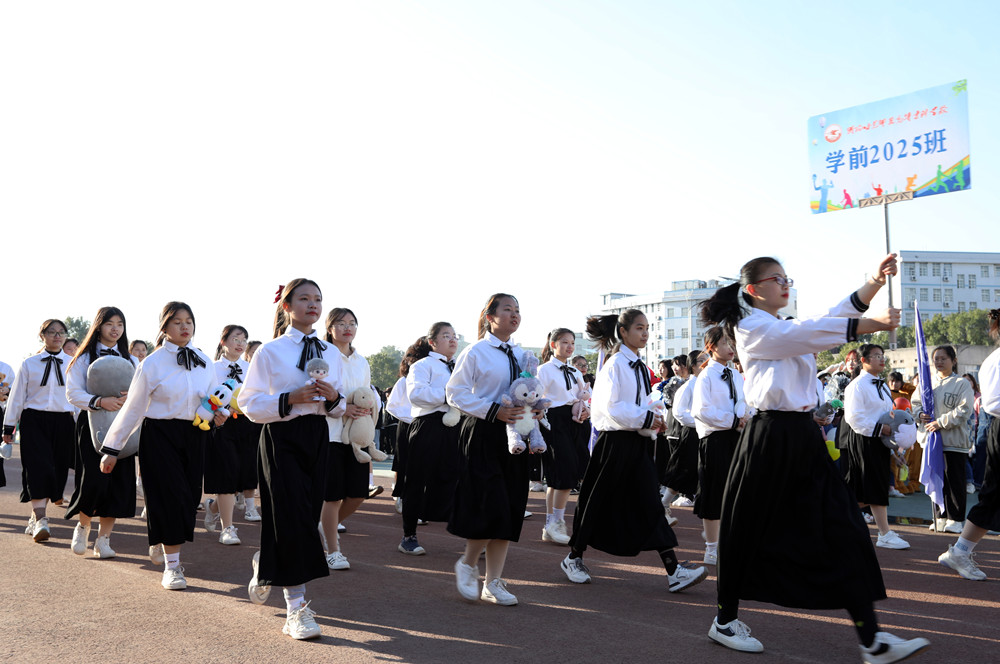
point(947, 282)
point(673, 315)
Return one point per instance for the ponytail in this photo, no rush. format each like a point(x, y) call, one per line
point(554, 335)
point(281, 319)
point(418, 350)
point(728, 305)
point(605, 330)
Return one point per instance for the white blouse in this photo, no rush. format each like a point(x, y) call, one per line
point(274, 373)
point(711, 405)
point(224, 370)
point(27, 390)
point(426, 383)
point(76, 379)
point(684, 402)
point(777, 354)
point(616, 390)
point(354, 373)
point(989, 384)
point(482, 374)
point(864, 404)
point(553, 378)
point(397, 403)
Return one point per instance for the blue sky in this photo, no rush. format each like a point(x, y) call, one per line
point(414, 157)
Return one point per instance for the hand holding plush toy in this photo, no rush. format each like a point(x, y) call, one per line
point(360, 433)
point(904, 431)
point(318, 369)
point(525, 393)
point(213, 403)
point(581, 407)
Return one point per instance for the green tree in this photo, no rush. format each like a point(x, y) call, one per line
point(76, 327)
point(385, 366)
point(968, 328)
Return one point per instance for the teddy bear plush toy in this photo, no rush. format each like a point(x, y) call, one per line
point(213, 403)
point(525, 393)
point(360, 433)
point(904, 431)
point(109, 376)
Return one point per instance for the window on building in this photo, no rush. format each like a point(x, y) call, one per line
point(986, 295)
point(972, 281)
point(923, 294)
point(684, 350)
point(961, 307)
point(935, 269)
point(973, 306)
point(684, 333)
point(996, 294)
point(949, 295)
point(909, 295)
point(670, 334)
point(684, 312)
point(996, 270)
point(937, 294)
point(670, 312)
point(908, 319)
point(670, 352)
point(923, 269)
point(910, 270)
point(946, 269)
point(960, 281)
point(984, 270)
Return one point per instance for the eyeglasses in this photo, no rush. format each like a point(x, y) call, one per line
point(346, 326)
point(781, 281)
point(55, 333)
point(448, 337)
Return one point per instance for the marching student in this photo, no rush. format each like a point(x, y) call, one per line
point(562, 385)
point(291, 460)
point(432, 459)
point(6, 449)
point(492, 491)
point(682, 469)
point(37, 402)
point(869, 475)
point(165, 392)
point(398, 405)
point(619, 509)
point(108, 496)
point(720, 413)
point(782, 473)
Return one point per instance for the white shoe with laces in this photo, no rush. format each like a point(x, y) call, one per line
point(229, 536)
point(251, 514)
point(30, 530)
point(258, 593)
point(41, 532)
point(337, 560)
point(671, 519)
point(962, 562)
point(735, 635)
point(467, 580)
point(891, 541)
point(156, 554)
point(685, 575)
point(102, 547)
point(79, 542)
point(173, 579)
point(211, 518)
point(575, 570)
point(711, 557)
point(954, 527)
point(555, 531)
point(888, 648)
point(301, 624)
point(682, 501)
point(496, 592)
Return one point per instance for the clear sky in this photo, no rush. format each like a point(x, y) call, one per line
point(414, 157)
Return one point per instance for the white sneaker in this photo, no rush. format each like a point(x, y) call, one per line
point(896, 493)
point(711, 557)
point(555, 531)
point(467, 580)
point(251, 514)
point(496, 592)
point(962, 563)
point(258, 593)
point(301, 624)
point(685, 576)
point(156, 554)
point(671, 519)
point(536, 487)
point(79, 542)
point(528, 515)
point(229, 536)
point(138, 488)
point(891, 541)
point(682, 501)
point(940, 524)
point(735, 635)
point(41, 531)
point(888, 648)
point(102, 547)
point(30, 530)
point(211, 518)
point(241, 501)
point(575, 570)
point(173, 579)
point(868, 517)
point(970, 488)
point(399, 506)
point(341, 528)
point(337, 560)
point(954, 527)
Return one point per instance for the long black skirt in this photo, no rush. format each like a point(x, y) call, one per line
point(46, 453)
point(681, 473)
point(619, 509)
point(171, 458)
point(492, 489)
point(231, 457)
point(792, 533)
point(562, 454)
point(346, 477)
point(291, 464)
point(399, 458)
point(868, 472)
point(100, 494)
point(584, 432)
point(715, 455)
point(432, 470)
point(986, 512)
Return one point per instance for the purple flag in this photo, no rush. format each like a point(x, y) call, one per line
point(932, 464)
point(593, 431)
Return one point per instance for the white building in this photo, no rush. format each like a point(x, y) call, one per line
point(947, 282)
point(673, 315)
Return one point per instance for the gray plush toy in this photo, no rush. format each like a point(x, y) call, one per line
point(109, 376)
point(904, 431)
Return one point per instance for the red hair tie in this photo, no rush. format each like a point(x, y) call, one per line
point(277, 293)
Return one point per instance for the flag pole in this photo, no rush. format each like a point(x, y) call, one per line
point(888, 277)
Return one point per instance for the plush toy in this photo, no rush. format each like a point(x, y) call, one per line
point(360, 433)
point(216, 402)
point(825, 411)
point(234, 407)
point(318, 369)
point(4, 388)
point(452, 417)
point(658, 407)
point(583, 394)
point(831, 446)
point(526, 393)
point(109, 376)
point(904, 431)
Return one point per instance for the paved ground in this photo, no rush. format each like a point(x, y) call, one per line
point(394, 608)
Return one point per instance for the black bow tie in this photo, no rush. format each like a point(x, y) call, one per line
point(311, 348)
point(49, 361)
point(187, 358)
point(727, 375)
point(449, 363)
point(515, 370)
point(235, 371)
point(879, 384)
point(567, 372)
point(642, 386)
point(109, 351)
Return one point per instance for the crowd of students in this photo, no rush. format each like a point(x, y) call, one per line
point(733, 428)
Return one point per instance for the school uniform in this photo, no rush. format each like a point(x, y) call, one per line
point(346, 477)
point(681, 473)
point(397, 404)
point(492, 489)
point(619, 509)
point(716, 399)
point(433, 461)
point(231, 458)
point(986, 512)
point(291, 459)
point(869, 476)
point(791, 531)
point(162, 399)
point(561, 385)
point(95, 493)
point(38, 402)
point(8, 378)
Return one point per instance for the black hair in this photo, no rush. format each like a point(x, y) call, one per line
point(136, 342)
point(573, 360)
point(338, 313)
point(693, 358)
point(49, 323)
point(171, 309)
point(681, 360)
point(605, 331)
point(490, 309)
point(864, 350)
point(895, 375)
point(713, 336)
point(725, 307)
point(72, 340)
point(226, 331)
point(950, 352)
point(281, 319)
point(89, 345)
point(975, 383)
point(250, 346)
point(418, 350)
point(554, 335)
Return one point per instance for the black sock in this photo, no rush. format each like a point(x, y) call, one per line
point(728, 610)
point(865, 622)
point(669, 559)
